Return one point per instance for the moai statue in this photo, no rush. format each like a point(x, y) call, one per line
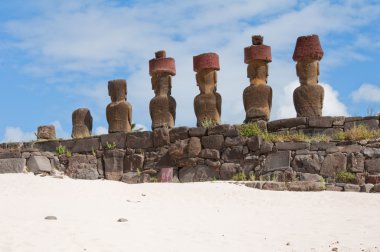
point(46, 132)
point(208, 104)
point(82, 123)
point(162, 107)
point(119, 111)
point(257, 97)
point(308, 98)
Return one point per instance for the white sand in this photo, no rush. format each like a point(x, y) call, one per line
point(180, 217)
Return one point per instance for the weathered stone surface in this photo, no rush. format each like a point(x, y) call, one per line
point(233, 154)
point(100, 167)
point(351, 188)
point(305, 186)
point(320, 122)
point(209, 153)
point(334, 188)
point(46, 132)
point(166, 174)
point(84, 145)
point(82, 123)
point(113, 164)
point(213, 142)
point(133, 163)
point(197, 132)
point(332, 164)
point(286, 123)
point(371, 152)
point(12, 165)
point(311, 177)
point(376, 188)
point(320, 131)
point(233, 141)
point(118, 139)
point(187, 162)
point(213, 164)
point(321, 145)
point(367, 188)
point(352, 148)
point(139, 140)
point(372, 165)
point(338, 120)
point(274, 186)
point(277, 161)
point(197, 173)
point(82, 167)
point(194, 147)
point(254, 143)
point(39, 164)
point(266, 147)
point(219, 129)
point(161, 137)
point(373, 179)
point(119, 111)
point(178, 149)
point(292, 145)
point(355, 162)
point(46, 145)
point(371, 124)
point(10, 154)
point(179, 133)
point(228, 170)
point(134, 178)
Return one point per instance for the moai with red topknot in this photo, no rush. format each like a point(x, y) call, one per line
point(257, 97)
point(208, 104)
point(162, 107)
point(82, 123)
point(119, 111)
point(308, 98)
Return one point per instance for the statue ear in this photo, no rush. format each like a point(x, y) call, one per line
point(153, 81)
point(170, 81)
point(197, 78)
point(297, 67)
point(215, 76)
point(318, 68)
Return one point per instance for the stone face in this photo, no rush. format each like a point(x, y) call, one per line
point(113, 164)
point(286, 123)
point(321, 145)
point(332, 164)
point(371, 152)
point(197, 174)
point(292, 145)
point(321, 122)
point(355, 162)
point(254, 143)
point(47, 145)
point(350, 148)
point(209, 153)
point(208, 104)
point(178, 149)
point(139, 140)
point(277, 161)
point(274, 186)
point(82, 167)
point(85, 145)
point(119, 111)
point(372, 165)
point(266, 147)
point(219, 129)
point(233, 141)
point(351, 188)
point(133, 163)
point(307, 163)
point(46, 132)
point(39, 164)
point(233, 154)
point(12, 165)
point(228, 170)
point(179, 133)
point(213, 142)
point(304, 186)
point(311, 177)
point(118, 139)
point(197, 132)
point(194, 147)
point(162, 107)
point(82, 123)
point(371, 124)
point(161, 137)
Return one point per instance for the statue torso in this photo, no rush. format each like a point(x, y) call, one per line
point(257, 102)
point(308, 100)
point(117, 116)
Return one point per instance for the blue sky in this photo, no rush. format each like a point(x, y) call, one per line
point(57, 56)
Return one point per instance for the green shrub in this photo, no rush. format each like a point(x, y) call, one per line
point(239, 177)
point(208, 123)
point(358, 132)
point(110, 146)
point(60, 150)
point(345, 177)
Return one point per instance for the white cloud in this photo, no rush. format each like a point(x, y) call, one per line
point(60, 132)
point(366, 92)
point(100, 130)
point(16, 134)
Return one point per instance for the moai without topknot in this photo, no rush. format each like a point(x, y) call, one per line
point(46, 132)
point(308, 98)
point(208, 104)
point(119, 111)
point(163, 106)
point(82, 123)
point(257, 97)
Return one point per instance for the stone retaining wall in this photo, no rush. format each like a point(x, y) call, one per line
point(219, 153)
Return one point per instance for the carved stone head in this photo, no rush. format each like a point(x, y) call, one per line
point(117, 90)
point(206, 66)
point(308, 71)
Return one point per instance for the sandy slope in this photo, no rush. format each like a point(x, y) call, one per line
point(180, 217)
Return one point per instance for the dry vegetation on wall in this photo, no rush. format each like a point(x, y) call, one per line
point(360, 132)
